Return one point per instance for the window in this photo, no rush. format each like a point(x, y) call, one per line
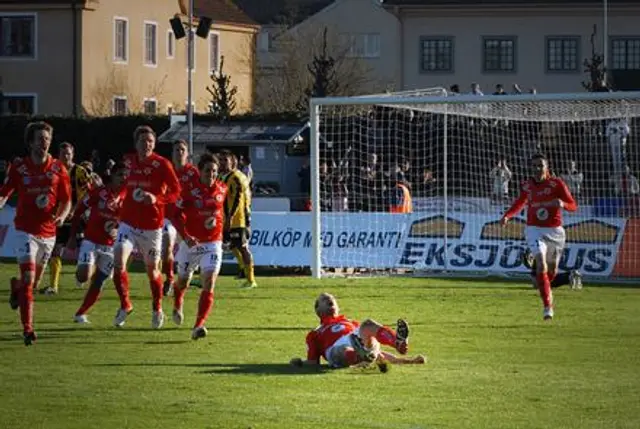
point(264, 41)
point(150, 44)
point(625, 53)
point(18, 104)
point(18, 36)
point(499, 54)
point(214, 52)
point(121, 40)
point(171, 44)
point(436, 54)
point(120, 106)
point(150, 106)
point(362, 45)
point(563, 54)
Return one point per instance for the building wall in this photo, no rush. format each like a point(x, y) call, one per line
point(531, 27)
point(167, 82)
point(49, 76)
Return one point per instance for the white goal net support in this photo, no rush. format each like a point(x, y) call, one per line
point(461, 159)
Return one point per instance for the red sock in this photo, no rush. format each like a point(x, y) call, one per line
point(121, 282)
point(544, 286)
point(167, 269)
point(350, 356)
point(25, 297)
point(156, 292)
point(204, 307)
point(92, 295)
point(178, 296)
point(386, 336)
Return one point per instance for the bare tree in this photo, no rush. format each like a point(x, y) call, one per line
point(115, 82)
point(280, 86)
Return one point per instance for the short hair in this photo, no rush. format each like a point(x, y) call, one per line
point(141, 130)
point(228, 154)
point(541, 156)
point(182, 142)
point(33, 127)
point(117, 167)
point(66, 145)
point(88, 165)
point(207, 158)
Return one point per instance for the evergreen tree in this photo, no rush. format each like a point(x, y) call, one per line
point(223, 95)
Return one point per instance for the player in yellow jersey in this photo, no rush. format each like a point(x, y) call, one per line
point(237, 209)
point(81, 181)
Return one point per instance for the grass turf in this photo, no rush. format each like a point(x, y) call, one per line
point(492, 361)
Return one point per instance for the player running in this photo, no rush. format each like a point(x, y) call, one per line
point(545, 196)
point(572, 278)
point(81, 182)
point(199, 220)
point(151, 184)
point(44, 202)
point(238, 215)
point(95, 259)
point(188, 176)
point(344, 342)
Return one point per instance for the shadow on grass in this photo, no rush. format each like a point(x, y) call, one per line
point(231, 368)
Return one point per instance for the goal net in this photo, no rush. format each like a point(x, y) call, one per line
point(461, 160)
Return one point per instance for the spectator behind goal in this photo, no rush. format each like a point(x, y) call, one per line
point(399, 196)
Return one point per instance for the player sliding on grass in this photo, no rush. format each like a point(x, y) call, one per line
point(545, 197)
point(346, 343)
point(151, 184)
point(44, 201)
point(95, 259)
point(199, 219)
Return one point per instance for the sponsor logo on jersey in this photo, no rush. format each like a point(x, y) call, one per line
point(138, 195)
point(42, 201)
point(210, 223)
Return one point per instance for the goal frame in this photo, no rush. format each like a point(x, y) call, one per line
point(394, 100)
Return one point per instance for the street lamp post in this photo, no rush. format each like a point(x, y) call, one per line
point(204, 24)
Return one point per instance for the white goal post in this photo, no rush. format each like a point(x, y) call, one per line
point(461, 158)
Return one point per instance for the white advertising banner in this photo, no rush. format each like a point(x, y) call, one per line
point(475, 242)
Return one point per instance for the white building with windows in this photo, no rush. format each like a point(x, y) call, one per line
point(408, 44)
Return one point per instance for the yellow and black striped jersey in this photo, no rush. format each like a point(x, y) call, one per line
point(80, 183)
point(237, 206)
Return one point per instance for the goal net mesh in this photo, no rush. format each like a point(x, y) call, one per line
point(462, 163)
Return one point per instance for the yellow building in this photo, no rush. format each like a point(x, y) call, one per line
point(104, 57)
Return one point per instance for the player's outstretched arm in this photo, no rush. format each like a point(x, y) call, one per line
point(300, 363)
point(515, 208)
point(568, 202)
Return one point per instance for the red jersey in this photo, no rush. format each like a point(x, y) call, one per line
point(201, 212)
point(536, 196)
point(189, 177)
point(105, 206)
point(156, 176)
point(331, 329)
point(41, 189)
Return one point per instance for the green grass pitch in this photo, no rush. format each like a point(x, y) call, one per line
point(492, 361)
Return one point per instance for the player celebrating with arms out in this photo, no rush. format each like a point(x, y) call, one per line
point(95, 259)
point(44, 201)
point(344, 342)
point(151, 184)
point(188, 176)
point(199, 220)
point(545, 197)
point(238, 214)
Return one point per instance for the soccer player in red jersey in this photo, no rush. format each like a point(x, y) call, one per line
point(344, 342)
point(151, 184)
point(44, 201)
point(95, 259)
point(545, 197)
point(189, 177)
point(199, 220)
